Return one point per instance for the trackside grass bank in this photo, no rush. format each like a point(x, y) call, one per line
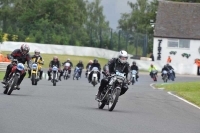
point(2, 75)
point(75, 59)
point(188, 90)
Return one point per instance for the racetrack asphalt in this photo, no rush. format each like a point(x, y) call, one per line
point(70, 107)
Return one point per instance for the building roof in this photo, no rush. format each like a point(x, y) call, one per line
point(178, 20)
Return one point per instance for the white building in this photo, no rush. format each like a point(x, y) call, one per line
point(177, 29)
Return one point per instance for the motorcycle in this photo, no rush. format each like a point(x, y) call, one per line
point(76, 73)
point(87, 71)
point(171, 75)
point(154, 75)
point(165, 76)
point(134, 74)
point(94, 76)
point(12, 82)
point(111, 92)
point(34, 74)
point(54, 75)
point(66, 71)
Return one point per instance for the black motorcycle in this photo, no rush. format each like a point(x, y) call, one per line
point(111, 92)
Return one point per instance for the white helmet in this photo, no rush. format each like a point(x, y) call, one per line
point(124, 54)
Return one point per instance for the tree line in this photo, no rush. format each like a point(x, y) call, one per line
point(75, 22)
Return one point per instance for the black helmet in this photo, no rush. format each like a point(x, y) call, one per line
point(95, 61)
point(134, 63)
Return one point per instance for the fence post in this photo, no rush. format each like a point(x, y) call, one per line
point(100, 38)
point(127, 41)
point(119, 40)
point(91, 37)
point(136, 44)
point(111, 38)
point(145, 46)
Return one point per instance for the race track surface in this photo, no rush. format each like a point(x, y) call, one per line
point(70, 107)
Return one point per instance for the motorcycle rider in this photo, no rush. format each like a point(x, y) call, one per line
point(135, 67)
point(88, 67)
point(71, 65)
point(117, 64)
point(95, 64)
point(81, 66)
point(55, 62)
point(171, 68)
point(37, 58)
point(22, 56)
point(151, 68)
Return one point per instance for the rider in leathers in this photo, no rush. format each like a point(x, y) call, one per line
point(22, 56)
point(55, 62)
point(117, 64)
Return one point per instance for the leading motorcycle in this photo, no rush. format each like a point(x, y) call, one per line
point(13, 79)
point(110, 94)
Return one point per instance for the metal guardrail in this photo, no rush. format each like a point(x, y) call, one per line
point(3, 66)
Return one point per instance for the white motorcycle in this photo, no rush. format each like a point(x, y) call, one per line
point(95, 76)
point(66, 70)
point(134, 74)
point(54, 75)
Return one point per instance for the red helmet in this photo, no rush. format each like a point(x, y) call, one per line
point(25, 47)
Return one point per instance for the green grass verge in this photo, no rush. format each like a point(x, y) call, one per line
point(188, 90)
point(75, 59)
point(2, 75)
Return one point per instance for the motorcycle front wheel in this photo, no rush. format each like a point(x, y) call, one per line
point(113, 98)
point(12, 85)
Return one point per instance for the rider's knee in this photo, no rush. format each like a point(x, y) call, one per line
point(124, 89)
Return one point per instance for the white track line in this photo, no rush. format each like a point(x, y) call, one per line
point(178, 97)
point(184, 100)
point(152, 85)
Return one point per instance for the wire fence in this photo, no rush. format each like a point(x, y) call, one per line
point(134, 43)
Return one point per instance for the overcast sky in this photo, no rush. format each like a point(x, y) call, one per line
point(113, 9)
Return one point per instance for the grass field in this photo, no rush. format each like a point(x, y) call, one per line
point(75, 59)
point(2, 75)
point(188, 90)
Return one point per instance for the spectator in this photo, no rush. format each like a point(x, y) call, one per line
point(151, 56)
point(169, 60)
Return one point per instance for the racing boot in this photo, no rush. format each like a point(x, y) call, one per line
point(18, 87)
point(98, 96)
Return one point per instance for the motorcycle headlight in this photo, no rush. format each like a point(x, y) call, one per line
point(34, 68)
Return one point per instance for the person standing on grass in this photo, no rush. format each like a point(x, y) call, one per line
point(151, 56)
